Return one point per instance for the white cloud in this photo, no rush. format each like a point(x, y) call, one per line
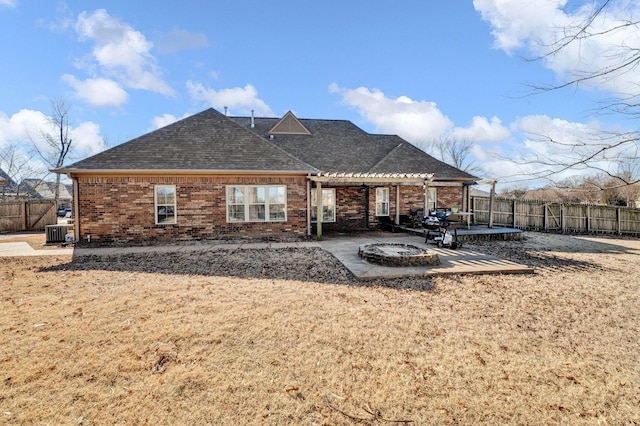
point(25, 128)
point(166, 119)
point(549, 143)
point(100, 92)
point(482, 130)
point(121, 53)
point(516, 23)
point(415, 121)
point(21, 127)
point(542, 126)
point(178, 39)
point(536, 24)
point(163, 120)
point(87, 140)
point(236, 99)
point(526, 139)
point(8, 3)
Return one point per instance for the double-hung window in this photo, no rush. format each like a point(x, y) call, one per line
point(328, 205)
point(165, 203)
point(256, 203)
point(382, 201)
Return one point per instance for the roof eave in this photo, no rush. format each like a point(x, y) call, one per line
point(184, 172)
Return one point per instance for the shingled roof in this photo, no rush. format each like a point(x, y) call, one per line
point(211, 141)
point(340, 146)
point(7, 182)
point(207, 141)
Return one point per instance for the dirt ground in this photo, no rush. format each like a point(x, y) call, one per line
point(289, 337)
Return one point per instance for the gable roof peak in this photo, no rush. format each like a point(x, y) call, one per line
point(289, 125)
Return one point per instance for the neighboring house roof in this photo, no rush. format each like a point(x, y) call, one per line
point(212, 141)
point(6, 180)
point(475, 192)
point(37, 188)
point(205, 141)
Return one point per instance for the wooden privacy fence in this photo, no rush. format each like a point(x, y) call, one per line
point(31, 215)
point(545, 216)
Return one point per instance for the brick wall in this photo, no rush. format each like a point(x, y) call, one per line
point(351, 214)
point(350, 210)
point(449, 196)
point(122, 209)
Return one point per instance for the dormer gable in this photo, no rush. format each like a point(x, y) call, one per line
point(289, 125)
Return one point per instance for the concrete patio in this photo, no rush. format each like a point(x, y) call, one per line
point(460, 261)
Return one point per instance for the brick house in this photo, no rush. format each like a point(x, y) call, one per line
point(210, 176)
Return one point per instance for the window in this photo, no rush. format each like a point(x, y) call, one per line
point(382, 201)
point(165, 200)
point(328, 205)
point(256, 203)
point(277, 197)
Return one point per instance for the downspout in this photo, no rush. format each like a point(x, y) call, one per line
point(76, 209)
point(366, 207)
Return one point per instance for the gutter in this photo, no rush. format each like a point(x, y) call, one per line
point(164, 172)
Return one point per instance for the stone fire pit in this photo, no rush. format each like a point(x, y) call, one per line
point(389, 254)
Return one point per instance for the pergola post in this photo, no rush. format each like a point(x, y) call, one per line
point(426, 198)
point(319, 210)
point(397, 204)
point(492, 197)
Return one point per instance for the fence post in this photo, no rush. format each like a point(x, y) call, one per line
point(491, 202)
point(569, 218)
point(545, 217)
point(25, 216)
point(473, 209)
point(587, 218)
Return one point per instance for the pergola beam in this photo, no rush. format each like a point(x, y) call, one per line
point(356, 179)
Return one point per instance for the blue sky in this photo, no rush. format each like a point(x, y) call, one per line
point(423, 70)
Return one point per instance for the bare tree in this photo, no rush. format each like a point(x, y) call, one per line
point(597, 151)
point(57, 144)
point(456, 153)
point(17, 167)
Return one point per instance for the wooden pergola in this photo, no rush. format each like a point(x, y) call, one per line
point(358, 179)
point(492, 195)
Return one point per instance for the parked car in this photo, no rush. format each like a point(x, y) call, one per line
point(64, 212)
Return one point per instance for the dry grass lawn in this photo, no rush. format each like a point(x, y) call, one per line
point(271, 337)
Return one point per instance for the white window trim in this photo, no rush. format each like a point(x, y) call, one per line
point(314, 207)
point(156, 205)
point(381, 200)
point(247, 203)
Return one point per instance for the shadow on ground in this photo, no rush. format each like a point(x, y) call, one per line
point(555, 252)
